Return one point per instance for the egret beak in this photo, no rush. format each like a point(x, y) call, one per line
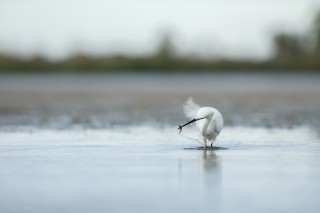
point(190, 122)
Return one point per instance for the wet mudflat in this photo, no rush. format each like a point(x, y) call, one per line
point(93, 144)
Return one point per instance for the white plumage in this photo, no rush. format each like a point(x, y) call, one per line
point(208, 120)
point(190, 108)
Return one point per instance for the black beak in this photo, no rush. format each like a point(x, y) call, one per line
point(190, 122)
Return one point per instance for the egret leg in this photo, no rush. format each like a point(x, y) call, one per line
point(211, 144)
point(205, 143)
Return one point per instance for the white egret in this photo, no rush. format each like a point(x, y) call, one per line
point(208, 120)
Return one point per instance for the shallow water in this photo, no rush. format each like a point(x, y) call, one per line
point(143, 169)
point(105, 147)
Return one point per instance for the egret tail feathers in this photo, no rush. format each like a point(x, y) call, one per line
point(190, 108)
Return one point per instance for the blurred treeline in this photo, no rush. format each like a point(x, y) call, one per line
point(291, 52)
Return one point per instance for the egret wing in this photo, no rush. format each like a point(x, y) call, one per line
point(218, 124)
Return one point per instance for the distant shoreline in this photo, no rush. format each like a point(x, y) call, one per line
point(119, 64)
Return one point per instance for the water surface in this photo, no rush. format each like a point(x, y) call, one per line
point(100, 143)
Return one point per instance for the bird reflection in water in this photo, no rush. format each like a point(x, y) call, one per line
point(206, 171)
point(210, 160)
point(212, 178)
point(211, 167)
point(201, 173)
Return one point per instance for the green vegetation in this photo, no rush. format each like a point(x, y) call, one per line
point(291, 52)
point(294, 51)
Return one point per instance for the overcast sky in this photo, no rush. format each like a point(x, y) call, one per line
point(233, 28)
